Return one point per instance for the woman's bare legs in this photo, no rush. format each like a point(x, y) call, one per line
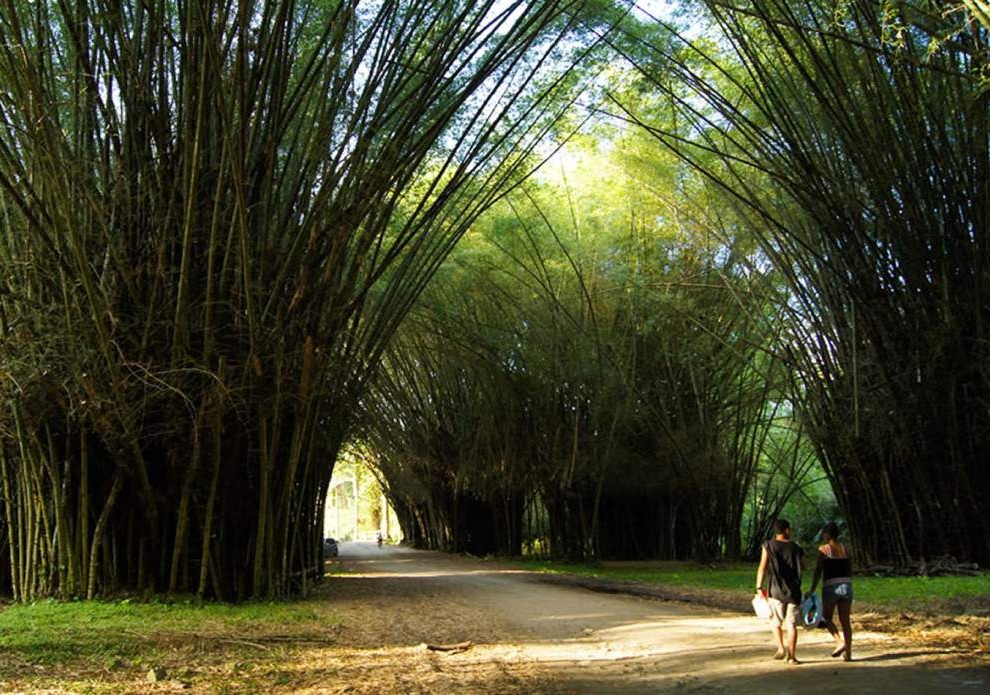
point(845, 608)
point(827, 612)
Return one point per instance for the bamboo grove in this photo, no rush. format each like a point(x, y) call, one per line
point(586, 384)
point(214, 215)
point(856, 141)
point(838, 154)
point(239, 235)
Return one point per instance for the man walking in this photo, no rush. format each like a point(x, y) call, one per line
point(785, 561)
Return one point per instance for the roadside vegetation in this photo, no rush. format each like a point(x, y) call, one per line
point(947, 594)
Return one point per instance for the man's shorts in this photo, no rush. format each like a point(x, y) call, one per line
point(783, 614)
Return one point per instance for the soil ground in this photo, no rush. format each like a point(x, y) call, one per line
point(531, 635)
point(528, 636)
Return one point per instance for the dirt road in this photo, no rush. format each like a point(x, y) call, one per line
point(530, 636)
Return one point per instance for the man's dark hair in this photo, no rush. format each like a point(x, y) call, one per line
point(832, 529)
point(780, 526)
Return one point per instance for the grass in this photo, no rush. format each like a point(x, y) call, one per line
point(110, 633)
point(892, 593)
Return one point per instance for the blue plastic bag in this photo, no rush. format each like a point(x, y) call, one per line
point(811, 610)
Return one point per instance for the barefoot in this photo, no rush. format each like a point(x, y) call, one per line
point(793, 660)
point(779, 656)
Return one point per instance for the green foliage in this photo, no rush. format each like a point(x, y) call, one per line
point(811, 508)
point(594, 343)
point(355, 467)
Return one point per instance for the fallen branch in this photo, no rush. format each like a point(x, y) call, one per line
point(261, 641)
point(942, 566)
point(245, 643)
point(451, 648)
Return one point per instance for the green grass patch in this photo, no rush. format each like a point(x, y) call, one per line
point(901, 593)
point(53, 632)
point(908, 593)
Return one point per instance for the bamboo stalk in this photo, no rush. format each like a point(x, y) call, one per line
point(182, 514)
point(98, 533)
point(12, 530)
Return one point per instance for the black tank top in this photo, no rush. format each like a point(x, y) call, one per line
point(836, 568)
point(784, 563)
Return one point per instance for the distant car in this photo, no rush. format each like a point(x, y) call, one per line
point(329, 547)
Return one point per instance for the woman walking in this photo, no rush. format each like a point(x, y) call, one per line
point(835, 568)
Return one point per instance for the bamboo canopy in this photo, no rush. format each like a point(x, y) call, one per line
point(854, 139)
point(213, 216)
point(850, 143)
point(608, 391)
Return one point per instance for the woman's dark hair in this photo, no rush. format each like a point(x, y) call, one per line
point(832, 529)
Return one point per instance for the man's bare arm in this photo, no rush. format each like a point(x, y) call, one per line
point(761, 572)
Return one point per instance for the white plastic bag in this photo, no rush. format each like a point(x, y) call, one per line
point(761, 607)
